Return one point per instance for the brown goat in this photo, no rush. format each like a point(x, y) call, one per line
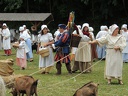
point(25, 85)
point(89, 89)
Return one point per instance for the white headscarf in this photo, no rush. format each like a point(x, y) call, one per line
point(21, 28)
point(91, 29)
point(106, 27)
point(124, 26)
point(43, 26)
point(24, 25)
point(103, 28)
point(112, 28)
point(85, 25)
point(4, 24)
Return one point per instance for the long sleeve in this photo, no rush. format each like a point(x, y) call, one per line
point(98, 35)
point(122, 44)
point(22, 44)
point(103, 40)
point(62, 40)
point(84, 37)
point(6, 33)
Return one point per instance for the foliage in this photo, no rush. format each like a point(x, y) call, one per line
point(12, 5)
point(95, 12)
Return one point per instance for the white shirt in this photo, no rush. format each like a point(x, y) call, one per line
point(26, 35)
point(6, 42)
point(21, 50)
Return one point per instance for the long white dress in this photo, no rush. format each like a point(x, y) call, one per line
point(21, 55)
point(49, 60)
point(101, 50)
point(114, 61)
point(125, 51)
point(29, 44)
point(21, 50)
point(83, 53)
point(0, 39)
point(6, 42)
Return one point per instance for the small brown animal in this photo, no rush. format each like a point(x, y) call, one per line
point(89, 89)
point(25, 85)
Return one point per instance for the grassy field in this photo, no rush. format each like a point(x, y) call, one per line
point(66, 85)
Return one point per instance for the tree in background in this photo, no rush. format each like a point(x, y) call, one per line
point(95, 12)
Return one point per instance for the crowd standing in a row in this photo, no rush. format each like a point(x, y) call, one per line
point(110, 46)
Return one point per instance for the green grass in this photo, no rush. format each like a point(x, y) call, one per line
point(66, 85)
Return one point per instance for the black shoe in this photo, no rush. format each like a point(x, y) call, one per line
point(74, 71)
point(23, 68)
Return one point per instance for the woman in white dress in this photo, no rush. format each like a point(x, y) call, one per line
point(115, 44)
point(83, 53)
point(45, 39)
point(101, 50)
point(22, 49)
point(21, 54)
point(124, 32)
point(6, 40)
point(0, 38)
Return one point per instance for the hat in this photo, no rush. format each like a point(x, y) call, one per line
point(103, 28)
point(62, 26)
point(24, 25)
point(21, 28)
point(106, 27)
point(4, 24)
point(91, 29)
point(113, 27)
point(124, 26)
point(43, 26)
point(85, 25)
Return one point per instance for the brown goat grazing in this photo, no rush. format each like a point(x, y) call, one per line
point(89, 89)
point(25, 85)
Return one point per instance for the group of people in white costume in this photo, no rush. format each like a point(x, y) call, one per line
point(111, 45)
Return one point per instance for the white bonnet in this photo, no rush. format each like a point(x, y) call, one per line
point(91, 29)
point(43, 26)
point(106, 27)
point(21, 28)
point(112, 29)
point(124, 26)
point(103, 28)
point(4, 24)
point(24, 25)
point(85, 25)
